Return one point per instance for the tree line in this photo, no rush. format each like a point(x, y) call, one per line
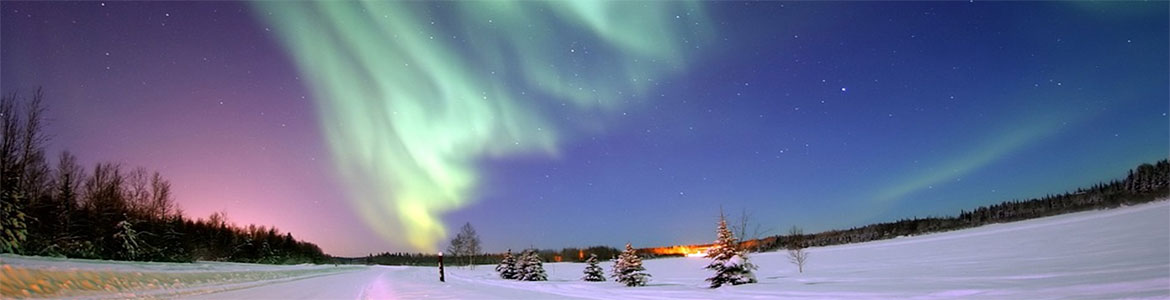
point(1147, 182)
point(431, 259)
point(465, 249)
point(110, 211)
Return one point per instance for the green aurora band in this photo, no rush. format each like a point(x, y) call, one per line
point(410, 95)
point(988, 151)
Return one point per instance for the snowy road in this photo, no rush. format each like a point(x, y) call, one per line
point(381, 282)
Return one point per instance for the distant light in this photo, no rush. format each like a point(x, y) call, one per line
point(842, 89)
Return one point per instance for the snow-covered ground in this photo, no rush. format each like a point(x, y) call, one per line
point(1117, 253)
point(40, 277)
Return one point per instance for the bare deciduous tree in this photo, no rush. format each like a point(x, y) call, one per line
point(161, 203)
point(456, 246)
point(750, 232)
point(137, 192)
point(471, 244)
point(67, 183)
point(466, 243)
point(218, 219)
point(796, 253)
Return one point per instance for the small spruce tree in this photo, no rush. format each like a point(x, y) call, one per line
point(130, 248)
point(729, 262)
point(13, 229)
point(533, 267)
point(593, 272)
point(618, 266)
point(507, 266)
point(518, 266)
point(628, 269)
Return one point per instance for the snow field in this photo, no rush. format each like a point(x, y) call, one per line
point(1107, 254)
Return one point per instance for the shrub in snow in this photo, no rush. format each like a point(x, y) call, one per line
point(730, 263)
point(593, 272)
point(533, 269)
point(507, 266)
point(628, 268)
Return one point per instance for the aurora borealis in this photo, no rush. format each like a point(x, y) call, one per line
point(407, 115)
point(380, 126)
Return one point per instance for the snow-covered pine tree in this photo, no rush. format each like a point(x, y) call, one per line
point(628, 268)
point(533, 267)
point(129, 240)
point(507, 266)
point(519, 265)
point(730, 263)
point(618, 266)
point(593, 272)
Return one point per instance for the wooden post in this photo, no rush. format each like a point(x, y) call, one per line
point(442, 277)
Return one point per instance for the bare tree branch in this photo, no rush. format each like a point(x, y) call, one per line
point(796, 253)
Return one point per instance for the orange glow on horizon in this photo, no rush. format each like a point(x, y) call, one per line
point(688, 251)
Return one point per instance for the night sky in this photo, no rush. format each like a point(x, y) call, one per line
point(385, 126)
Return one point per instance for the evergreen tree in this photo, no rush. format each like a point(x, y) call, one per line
point(518, 266)
point(729, 262)
point(15, 230)
point(128, 240)
point(628, 268)
point(533, 267)
point(21, 142)
point(593, 272)
point(507, 266)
